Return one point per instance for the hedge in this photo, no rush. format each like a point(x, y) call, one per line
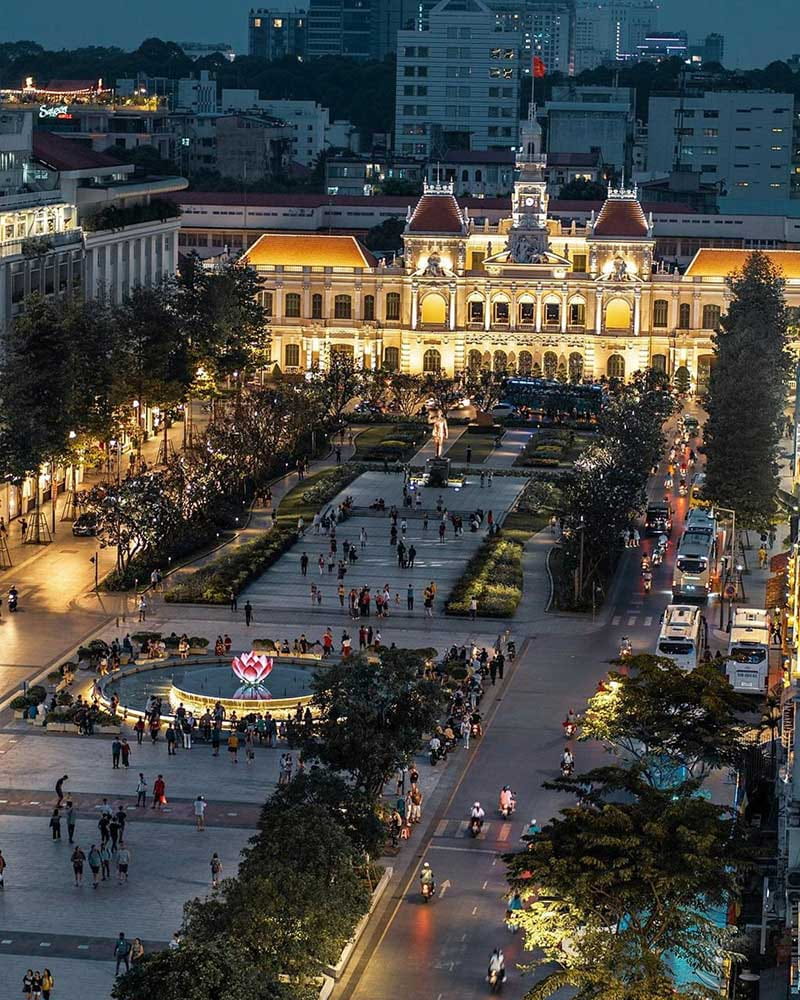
point(212, 584)
point(494, 576)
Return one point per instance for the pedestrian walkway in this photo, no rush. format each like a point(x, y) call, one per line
point(510, 447)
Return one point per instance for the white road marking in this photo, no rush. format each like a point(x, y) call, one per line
point(465, 850)
point(632, 620)
point(616, 619)
point(441, 826)
point(463, 826)
point(648, 621)
point(505, 830)
point(485, 884)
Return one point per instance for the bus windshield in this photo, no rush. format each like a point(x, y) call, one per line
point(755, 655)
point(675, 647)
point(687, 565)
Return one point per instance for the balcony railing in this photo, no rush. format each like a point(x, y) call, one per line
point(35, 246)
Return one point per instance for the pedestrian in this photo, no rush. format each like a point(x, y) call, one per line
point(125, 750)
point(70, 820)
point(105, 862)
point(248, 614)
point(501, 663)
point(159, 793)
point(60, 788)
point(122, 951)
point(55, 824)
point(216, 870)
point(116, 747)
point(466, 729)
point(233, 746)
point(304, 564)
point(762, 556)
point(123, 860)
point(410, 598)
point(95, 863)
point(78, 858)
point(338, 454)
point(442, 529)
point(27, 984)
point(113, 831)
point(23, 528)
point(141, 792)
point(137, 950)
point(47, 984)
point(362, 537)
point(234, 601)
point(415, 813)
point(427, 600)
point(493, 669)
point(2, 871)
point(200, 812)
point(138, 728)
point(215, 736)
point(473, 607)
point(142, 608)
point(171, 741)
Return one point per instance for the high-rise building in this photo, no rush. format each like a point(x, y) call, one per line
point(606, 32)
point(340, 28)
point(710, 50)
point(739, 140)
point(547, 30)
point(457, 82)
point(659, 45)
point(586, 119)
point(275, 34)
point(197, 95)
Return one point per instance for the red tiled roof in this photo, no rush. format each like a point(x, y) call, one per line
point(621, 217)
point(436, 213)
point(59, 153)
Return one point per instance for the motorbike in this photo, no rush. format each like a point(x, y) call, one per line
point(12, 601)
point(475, 825)
point(569, 729)
point(428, 890)
point(511, 649)
point(567, 768)
point(506, 811)
point(625, 649)
point(658, 557)
point(437, 754)
point(648, 582)
point(496, 980)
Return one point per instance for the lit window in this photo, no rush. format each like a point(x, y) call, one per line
point(277, 22)
point(256, 22)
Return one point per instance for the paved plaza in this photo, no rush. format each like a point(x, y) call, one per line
point(44, 919)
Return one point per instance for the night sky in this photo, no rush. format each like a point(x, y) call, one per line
point(755, 33)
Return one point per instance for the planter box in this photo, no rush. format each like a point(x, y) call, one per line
point(108, 730)
point(198, 650)
point(19, 713)
point(61, 727)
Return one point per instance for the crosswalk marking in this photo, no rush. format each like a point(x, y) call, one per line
point(463, 826)
point(648, 621)
point(496, 832)
point(616, 619)
point(505, 830)
point(441, 826)
point(632, 619)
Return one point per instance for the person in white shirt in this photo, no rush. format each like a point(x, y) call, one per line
point(199, 812)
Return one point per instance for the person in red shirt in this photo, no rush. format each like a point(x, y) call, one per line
point(159, 796)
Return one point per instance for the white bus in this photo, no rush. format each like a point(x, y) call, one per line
point(747, 663)
point(681, 635)
point(695, 562)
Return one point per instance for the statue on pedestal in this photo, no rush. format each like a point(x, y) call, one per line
point(439, 430)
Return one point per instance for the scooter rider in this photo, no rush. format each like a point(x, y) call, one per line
point(12, 598)
point(567, 762)
point(477, 816)
point(435, 747)
point(497, 965)
point(426, 877)
point(507, 802)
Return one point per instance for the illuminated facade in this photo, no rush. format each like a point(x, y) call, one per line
point(527, 293)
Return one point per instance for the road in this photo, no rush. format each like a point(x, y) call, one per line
point(440, 950)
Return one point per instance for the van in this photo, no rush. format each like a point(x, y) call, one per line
point(658, 518)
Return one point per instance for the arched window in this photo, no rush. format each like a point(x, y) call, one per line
point(264, 299)
point(575, 367)
point(711, 317)
point(432, 360)
point(475, 311)
point(525, 362)
point(474, 360)
point(501, 311)
point(658, 362)
point(433, 310)
point(615, 367)
point(465, 175)
point(550, 364)
point(391, 359)
point(343, 307)
point(316, 306)
point(684, 316)
point(500, 361)
point(660, 309)
point(552, 313)
point(291, 305)
point(577, 314)
point(292, 355)
point(527, 313)
point(478, 176)
point(393, 306)
point(369, 307)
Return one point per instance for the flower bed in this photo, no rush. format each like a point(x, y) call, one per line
point(212, 584)
point(305, 499)
point(494, 577)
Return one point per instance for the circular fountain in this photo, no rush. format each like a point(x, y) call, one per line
point(238, 684)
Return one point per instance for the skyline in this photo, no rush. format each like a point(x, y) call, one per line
point(747, 44)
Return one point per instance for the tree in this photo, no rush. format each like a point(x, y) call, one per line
point(580, 189)
point(666, 719)
point(383, 708)
point(752, 364)
point(485, 388)
point(445, 392)
point(386, 236)
point(227, 326)
point(620, 884)
point(406, 392)
point(338, 384)
point(295, 902)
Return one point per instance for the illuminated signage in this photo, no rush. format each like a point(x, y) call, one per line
point(54, 111)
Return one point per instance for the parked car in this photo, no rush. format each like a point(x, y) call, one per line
point(84, 525)
point(503, 411)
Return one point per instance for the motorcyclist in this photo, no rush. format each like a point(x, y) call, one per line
point(506, 801)
point(476, 720)
point(645, 562)
point(625, 648)
point(426, 876)
point(435, 745)
point(647, 577)
point(497, 965)
point(12, 598)
point(567, 761)
point(477, 815)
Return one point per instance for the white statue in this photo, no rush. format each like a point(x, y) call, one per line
point(439, 430)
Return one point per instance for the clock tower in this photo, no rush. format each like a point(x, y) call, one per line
point(528, 239)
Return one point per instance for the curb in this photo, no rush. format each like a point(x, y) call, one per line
point(336, 971)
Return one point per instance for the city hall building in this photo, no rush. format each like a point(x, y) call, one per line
point(528, 293)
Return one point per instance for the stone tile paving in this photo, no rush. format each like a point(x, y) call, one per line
point(74, 978)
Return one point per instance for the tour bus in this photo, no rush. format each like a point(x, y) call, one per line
point(681, 637)
point(747, 663)
point(700, 519)
point(696, 498)
point(695, 564)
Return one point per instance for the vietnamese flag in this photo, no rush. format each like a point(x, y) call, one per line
point(538, 68)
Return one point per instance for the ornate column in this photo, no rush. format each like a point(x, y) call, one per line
point(512, 307)
point(414, 305)
point(696, 310)
point(564, 307)
point(452, 315)
point(539, 308)
point(487, 308)
point(637, 310)
point(598, 310)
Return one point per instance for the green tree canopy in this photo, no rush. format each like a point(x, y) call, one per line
point(385, 706)
point(582, 190)
point(665, 718)
point(752, 365)
point(615, 886)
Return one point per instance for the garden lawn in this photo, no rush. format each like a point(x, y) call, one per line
point(395, 442)
point(309, 496)
point(494, 576)
point(482, 446)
